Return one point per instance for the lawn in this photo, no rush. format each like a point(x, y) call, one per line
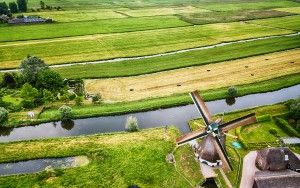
point(95, 47)
point(180, 60)
point(211, 76)
point(116, 160)
point(55, 30)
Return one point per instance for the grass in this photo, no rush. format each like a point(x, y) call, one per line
point(229, 16)
point(12, 99)
point(288, 22)
point(170, 101)
point(237, 72)
point(116, 160)
point(181, 60)
point(295, 10)
point(95, 47)
point(55, 30)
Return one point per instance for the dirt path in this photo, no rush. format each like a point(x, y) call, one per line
point(249, 170)
point(242, 71)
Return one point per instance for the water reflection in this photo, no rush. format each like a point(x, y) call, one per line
point(5, 131)
point(67, 124)
point(230, 101)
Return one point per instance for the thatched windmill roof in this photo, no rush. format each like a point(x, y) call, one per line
point(207, 151)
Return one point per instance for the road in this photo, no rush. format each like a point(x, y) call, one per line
point(249, 170)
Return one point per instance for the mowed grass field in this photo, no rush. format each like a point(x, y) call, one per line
point(237, 72)
point(42, 31)
point(180, 60)
point(106, 46)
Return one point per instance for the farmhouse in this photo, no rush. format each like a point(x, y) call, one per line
point(29, 20)
point(279, 167)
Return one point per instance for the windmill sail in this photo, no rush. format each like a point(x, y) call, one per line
point(202, 108)
point(190, 136)
point(246, 120)
point(222, 154)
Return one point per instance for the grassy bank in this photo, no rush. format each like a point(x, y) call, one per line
point(116, 160)
point(106, 46)
point(180, 60)
point(170, 101)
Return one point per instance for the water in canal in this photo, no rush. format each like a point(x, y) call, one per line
point(37, 165)
point(177, 116)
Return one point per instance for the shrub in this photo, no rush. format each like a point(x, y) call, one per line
point(284, 125)
point(72, 97)
point(232, 91)
point(65, 112)
point(131, 124)
point(273, 131)
point(264, 118)
point(9, 80)
point(96, 98)
point(79, 100)
point(3, 115)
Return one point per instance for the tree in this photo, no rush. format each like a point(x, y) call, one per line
point(131, 124)
point(42, 3)
point(28, 92)
point(13, 7)
point(294, 109)
point(65, 113)
point(232, 91)
point(3, 8)
point(30, 67)
point(3, 115)
point(22, 4)
point(49, 79)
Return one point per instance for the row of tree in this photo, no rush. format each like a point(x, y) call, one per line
point(13, 7)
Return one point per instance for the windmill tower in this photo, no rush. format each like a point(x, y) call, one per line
point(211, 150)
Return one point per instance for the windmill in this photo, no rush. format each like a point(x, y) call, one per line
point(213, 151)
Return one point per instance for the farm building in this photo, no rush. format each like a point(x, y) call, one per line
point(29, 20)
point(279, 167)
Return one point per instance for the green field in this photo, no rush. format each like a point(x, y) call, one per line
point(43, 31)
point(96, 47)
point(116, 160)
point(192, 58)
point(289, 22)
point(230, 16)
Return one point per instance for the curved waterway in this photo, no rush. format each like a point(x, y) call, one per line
point(177, 116)
point(167, 53)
